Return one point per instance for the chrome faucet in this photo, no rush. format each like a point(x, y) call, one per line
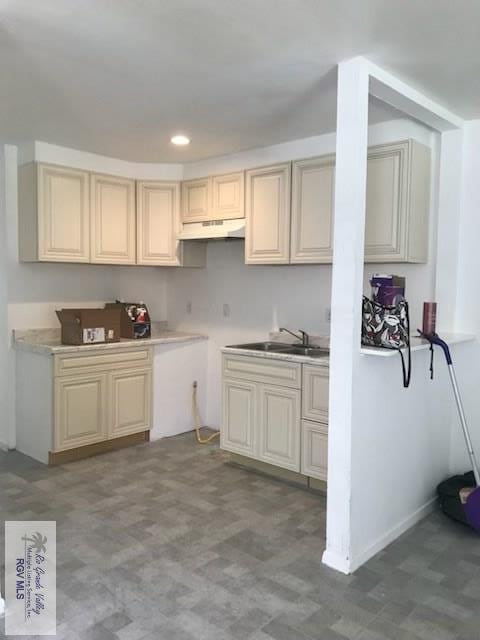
point(305, 339)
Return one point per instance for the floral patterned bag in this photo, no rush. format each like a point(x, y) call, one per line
point(388, 327)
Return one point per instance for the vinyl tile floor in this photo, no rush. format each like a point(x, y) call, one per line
point(166, 541)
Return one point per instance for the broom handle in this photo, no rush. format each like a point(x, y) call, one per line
point(461, 413)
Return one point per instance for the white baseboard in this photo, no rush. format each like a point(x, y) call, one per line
point(349, 565)
point(335, 561)
point(391, 535)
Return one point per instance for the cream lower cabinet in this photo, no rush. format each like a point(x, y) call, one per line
point(102, 396)
point(130, 401)
point(265, 407)
point(315, 450)
point(81, 415)
point(278, 426)
point(239, 416)
point(315, 389)
point(83, 402)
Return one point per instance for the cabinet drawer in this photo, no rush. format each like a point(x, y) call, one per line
point(269, 371)
point(71, 364)
point(314, 449)
point(315, 390)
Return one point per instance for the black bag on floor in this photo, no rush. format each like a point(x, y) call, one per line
point(449, 496)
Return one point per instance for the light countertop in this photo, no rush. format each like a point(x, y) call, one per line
point(417, 344)
point(47, 341)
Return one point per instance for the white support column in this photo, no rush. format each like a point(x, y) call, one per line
point(449, 204)
point(347, 286)
point(5, 379)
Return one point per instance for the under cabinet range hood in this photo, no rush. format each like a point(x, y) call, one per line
point(213, 230)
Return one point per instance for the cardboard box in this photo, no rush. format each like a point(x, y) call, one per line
point(89, 326)
point(134, 319)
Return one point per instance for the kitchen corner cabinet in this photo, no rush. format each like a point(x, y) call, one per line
point(267, 234)
point(82, 402)
point(313, 188)
point(158, 223)
point(398, 203)
point(54, 214)
point(112, 210)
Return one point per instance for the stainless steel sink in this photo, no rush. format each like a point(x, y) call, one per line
point(311, 352)
point(278, 347)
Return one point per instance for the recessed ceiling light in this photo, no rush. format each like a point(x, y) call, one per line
point(180, 140)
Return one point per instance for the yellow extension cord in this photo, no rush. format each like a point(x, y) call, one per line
point(197, 420)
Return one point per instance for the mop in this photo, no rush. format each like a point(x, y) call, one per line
point(460, 495)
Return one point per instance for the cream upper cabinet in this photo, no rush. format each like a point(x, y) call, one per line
point(158, 222)
point(196, 200)
point(112, 210)
point(267, 235)
point(279, 427)
point(54, 222)
point(228, 196)
point(398, 203)
point(313, 187)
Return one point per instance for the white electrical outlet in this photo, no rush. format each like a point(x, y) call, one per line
point(189, 306)
point(226, 310)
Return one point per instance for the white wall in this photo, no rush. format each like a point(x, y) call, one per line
point(262, 297)
point(467, 312)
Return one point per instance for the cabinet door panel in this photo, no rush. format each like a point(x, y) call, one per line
point(239, 417)
point(315, 392)
point(279, 427)
point(313, 189)
point(63, 215)
point(196, 200)
point(158, 223)
point(130, 402)
point(80, 411)
point(315, 450)
point(386, 211)
point(267, 235)
point(113, 220)
point(228, 196)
